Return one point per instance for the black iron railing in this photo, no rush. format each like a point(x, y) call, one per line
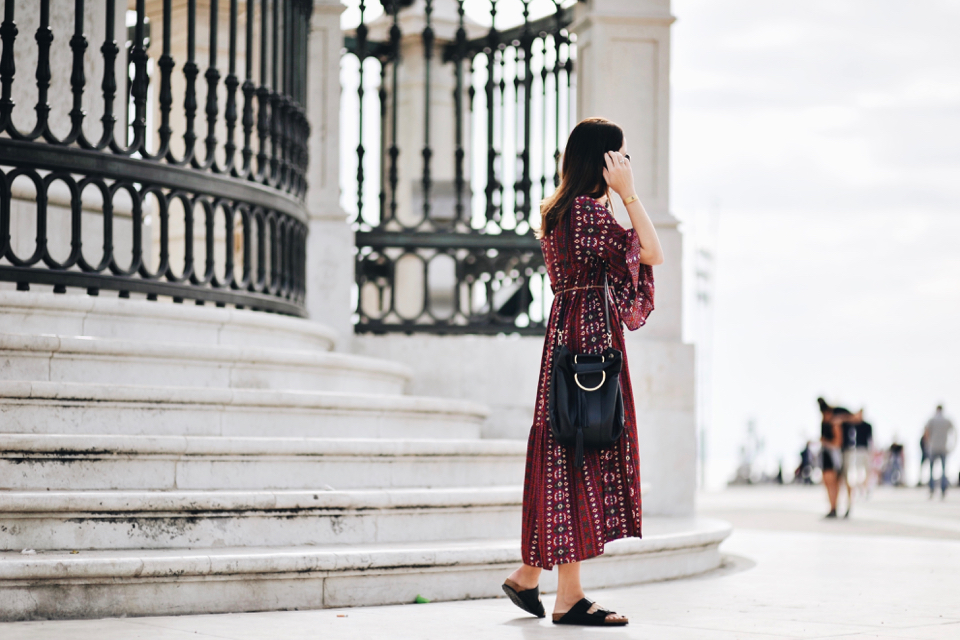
point(455, 254)
point(130, 197)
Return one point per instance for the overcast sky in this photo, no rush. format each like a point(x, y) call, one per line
point(824, 139)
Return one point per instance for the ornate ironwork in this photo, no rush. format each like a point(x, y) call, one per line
point(122, 208)
point(433, 256)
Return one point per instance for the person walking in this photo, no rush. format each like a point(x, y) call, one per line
point(924, 457)
point(849, 467)
point(571, 511)
point(863, 455)
point(941, 438)
point(831, 460)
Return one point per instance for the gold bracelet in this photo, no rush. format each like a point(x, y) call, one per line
point(632, 198)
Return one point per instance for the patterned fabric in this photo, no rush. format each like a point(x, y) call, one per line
point(569, 513)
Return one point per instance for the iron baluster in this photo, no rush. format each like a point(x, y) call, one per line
point(284, 115)
point(428, 38)
point(526, 44)
point(517, 130)
point(166, 65)
point(382, 94)
point(361, 56)
point(44, 38)
point(544, 74)
point(212, 77)
point(557, 41)
point(8, 66)
point(231, 83)
point(501, 172)
point(472, 91)
point(190, 73)
point(394, 149)
point(493, 43)
point(263, 98)
point(78, 45)
point(459, 154)
point(275, 98)
point(109, 49)
point(139, 86)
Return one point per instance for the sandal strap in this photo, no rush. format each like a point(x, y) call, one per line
point(582, 608)
point(580, 614)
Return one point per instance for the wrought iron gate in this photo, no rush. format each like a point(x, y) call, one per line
point(456, 255)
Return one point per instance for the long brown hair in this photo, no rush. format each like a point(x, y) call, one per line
point(582, 171)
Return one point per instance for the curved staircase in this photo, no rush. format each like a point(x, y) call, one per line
point(164, 459)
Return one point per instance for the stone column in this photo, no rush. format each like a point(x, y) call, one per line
point(330, 246)
point(623, 73)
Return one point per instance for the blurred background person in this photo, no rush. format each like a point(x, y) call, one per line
point(831, 459)
point(804, 472)
point(941, 438)
point(892, 472)
point(864, 456)
point(848, 431)
point(924, 457)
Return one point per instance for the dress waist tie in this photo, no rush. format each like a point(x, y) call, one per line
point(567, 290)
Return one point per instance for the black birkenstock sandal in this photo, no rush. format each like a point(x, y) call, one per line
point(526, 599)
point(578, 615)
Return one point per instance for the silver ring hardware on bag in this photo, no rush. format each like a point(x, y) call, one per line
point(602, 380)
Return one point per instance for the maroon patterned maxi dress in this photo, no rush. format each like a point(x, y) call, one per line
point(569, 513)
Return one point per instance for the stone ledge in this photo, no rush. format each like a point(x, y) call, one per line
point(137, 563)
point(189, 503)
point(138, 583)
point(103, 317)
point(76, 446)
point(220, 397)
point(165, 463)
point(104, 409)
point(139, 357)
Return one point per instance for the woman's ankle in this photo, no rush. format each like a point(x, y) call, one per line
point(566, 599)
point(526, 577)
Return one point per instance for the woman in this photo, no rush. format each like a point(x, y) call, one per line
point(569, 512)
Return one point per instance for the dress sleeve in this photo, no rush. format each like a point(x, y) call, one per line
point(598, 236)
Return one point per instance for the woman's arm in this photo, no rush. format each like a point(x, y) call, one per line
point(619, 176)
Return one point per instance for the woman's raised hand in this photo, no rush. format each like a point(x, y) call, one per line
point(618, 173)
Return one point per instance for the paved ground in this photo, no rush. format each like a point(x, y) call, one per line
point(891, 571)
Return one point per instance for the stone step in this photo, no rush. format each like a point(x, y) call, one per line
point(103, 463)
point(97, 584)
point(99, 409)
point(58, 358)
point(161, 321)
point(179, 519)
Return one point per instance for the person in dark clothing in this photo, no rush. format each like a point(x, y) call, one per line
point(924, 457)
point(857, 436)
point(804, 472)
point(864, 453)
point(848, 471)
point(831, 439)
point(893, 474)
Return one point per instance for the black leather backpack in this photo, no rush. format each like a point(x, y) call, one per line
point(586, 404)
